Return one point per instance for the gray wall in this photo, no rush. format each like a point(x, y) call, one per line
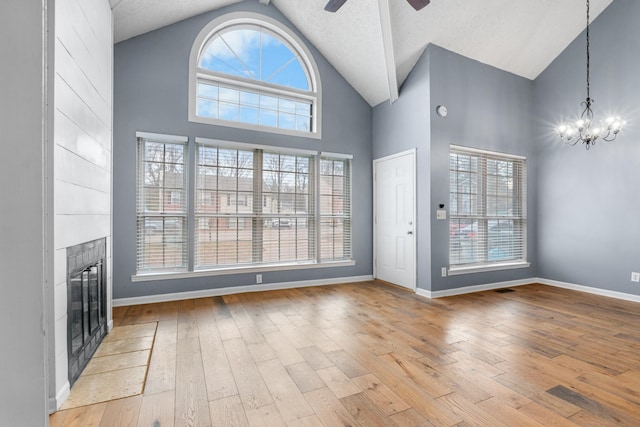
point(589, 226)
point(488, 109)
point(401, 126)
point(24, 261)
point(150, 95)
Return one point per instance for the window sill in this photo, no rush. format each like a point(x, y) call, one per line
point(147, 277)
point(454, 271)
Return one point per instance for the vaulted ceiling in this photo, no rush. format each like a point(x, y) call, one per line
point(375, 42)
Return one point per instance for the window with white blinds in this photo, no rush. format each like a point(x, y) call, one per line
point(253, 206)
point(161, 204)
point(488, 216)
point(335, 208)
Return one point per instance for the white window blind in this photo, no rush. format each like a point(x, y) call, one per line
point(335, 208)
point(488, 217)
point(161, 204)
point(254, 207)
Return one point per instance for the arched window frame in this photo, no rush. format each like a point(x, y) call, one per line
point(293, 42)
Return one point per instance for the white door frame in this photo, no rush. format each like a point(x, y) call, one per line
point(411, 152)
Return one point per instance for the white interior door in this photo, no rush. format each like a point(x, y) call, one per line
point(394, 219)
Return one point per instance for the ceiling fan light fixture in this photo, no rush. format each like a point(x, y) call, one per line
point(334, 5)
point(418, 4)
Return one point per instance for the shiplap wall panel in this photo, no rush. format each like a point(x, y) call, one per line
point(73, 199)
point(83, 145)
point(70, 136)
point(72, 169)
point(77, 110)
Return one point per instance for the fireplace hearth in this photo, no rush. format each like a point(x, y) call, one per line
point(86, 303)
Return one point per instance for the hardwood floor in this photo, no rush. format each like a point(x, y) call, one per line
point(369, 354)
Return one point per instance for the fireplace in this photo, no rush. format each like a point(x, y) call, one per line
point(86, 303)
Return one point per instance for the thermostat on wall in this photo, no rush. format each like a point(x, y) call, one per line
point(441, 110)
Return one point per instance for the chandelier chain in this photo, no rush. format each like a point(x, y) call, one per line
point(588, 57)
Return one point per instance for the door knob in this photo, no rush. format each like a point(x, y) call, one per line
point(410, 232)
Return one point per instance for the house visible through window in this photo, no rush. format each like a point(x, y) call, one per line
point(161, 205)
point(254, 205)
point(488, 221)
point(250, 71)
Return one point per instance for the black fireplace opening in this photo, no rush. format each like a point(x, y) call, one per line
point(86, 303)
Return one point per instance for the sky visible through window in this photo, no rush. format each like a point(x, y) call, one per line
point(255, 54)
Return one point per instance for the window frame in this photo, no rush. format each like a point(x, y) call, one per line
point(346, 217)
point(256, 216)
point(291, 40)
point(142, 214)
point(519, 192)
point(191, 194)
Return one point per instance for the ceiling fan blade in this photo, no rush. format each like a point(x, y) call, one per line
point(418, 4)
point(334, 5)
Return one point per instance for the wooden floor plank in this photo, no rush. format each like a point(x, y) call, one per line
point(228, 412)
point(157, 410)
point(122, 412)
point(329, 409)
point(251, 387)
point(217, 373)
point(365, 412)
point(161, 376)
point(367, 354)
point(384, 398)
point(85, 416)
point(288, 398)
point(192, 408)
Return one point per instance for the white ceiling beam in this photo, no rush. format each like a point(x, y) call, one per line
point(389, 52)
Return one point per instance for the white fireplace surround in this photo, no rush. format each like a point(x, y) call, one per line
point(82, 127)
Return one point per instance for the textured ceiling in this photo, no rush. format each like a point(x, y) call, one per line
point(522, 37)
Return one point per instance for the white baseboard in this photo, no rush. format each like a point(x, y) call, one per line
point(475, 288)
point(491, 286)
point(590, 290)
point(119, 302)
point(61, 396)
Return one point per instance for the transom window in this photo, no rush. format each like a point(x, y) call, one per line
point(251, 72)
point(488, 224)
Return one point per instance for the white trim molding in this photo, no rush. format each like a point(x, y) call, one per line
point(475, 288)
point(590, 290)
point(61, 396)
point(119, 302)
point(532, 281)
point(455, 271)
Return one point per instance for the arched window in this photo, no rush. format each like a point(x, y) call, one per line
point(249, 71)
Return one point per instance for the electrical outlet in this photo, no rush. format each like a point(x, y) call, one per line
point(635, 277)
point(444, 271)
point(258, 278)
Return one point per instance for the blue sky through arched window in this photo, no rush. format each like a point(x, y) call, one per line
point(254, 53)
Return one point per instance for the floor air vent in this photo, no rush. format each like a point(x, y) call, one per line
point(504, 291)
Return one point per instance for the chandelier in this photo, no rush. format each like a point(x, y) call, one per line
point(585, 130)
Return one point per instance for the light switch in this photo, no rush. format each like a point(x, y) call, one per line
point(441, 214)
